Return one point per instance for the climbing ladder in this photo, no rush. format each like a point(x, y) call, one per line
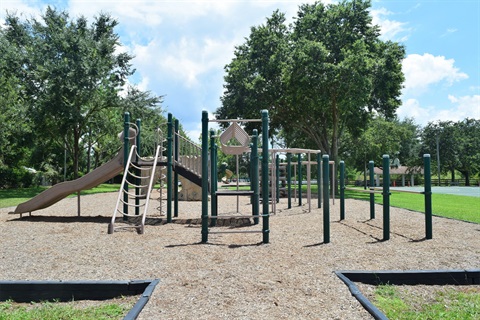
point(134, 178)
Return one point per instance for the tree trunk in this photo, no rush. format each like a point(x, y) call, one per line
point(76, 152)
point(334, 149)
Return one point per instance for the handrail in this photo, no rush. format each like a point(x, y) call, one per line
point(189, 154)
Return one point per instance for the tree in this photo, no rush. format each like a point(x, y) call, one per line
point(15, 135)
point(399, 139)
point(469, 148)
point(326, 74)
point(457, 144)
point(441, 137)
point(71, 72)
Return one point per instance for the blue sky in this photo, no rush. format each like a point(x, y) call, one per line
point(181, 48)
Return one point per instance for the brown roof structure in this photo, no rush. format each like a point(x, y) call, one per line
point(400, 170)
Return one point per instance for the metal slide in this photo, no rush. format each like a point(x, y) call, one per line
point(61, 190)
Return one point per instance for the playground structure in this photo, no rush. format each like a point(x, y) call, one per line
point(385, 191)
point(181, 157)
point(61, 190)
point(275, 165)
point(235, 132)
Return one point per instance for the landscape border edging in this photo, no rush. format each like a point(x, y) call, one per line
point(409, 277)
point(49, 290)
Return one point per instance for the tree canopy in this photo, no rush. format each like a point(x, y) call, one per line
point(66, 81)
point(326, 74)
point(457, 144)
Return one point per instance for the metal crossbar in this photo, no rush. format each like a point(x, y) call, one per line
point(239, 217)
point(242, 231)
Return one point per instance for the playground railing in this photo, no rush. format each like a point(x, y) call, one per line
point(189, 154)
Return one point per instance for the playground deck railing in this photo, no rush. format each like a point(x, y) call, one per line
point(188, 154)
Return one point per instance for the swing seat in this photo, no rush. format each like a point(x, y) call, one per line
point(234, 131)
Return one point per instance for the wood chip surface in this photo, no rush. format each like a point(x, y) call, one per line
point(234, 276)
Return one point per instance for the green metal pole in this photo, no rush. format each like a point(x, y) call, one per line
point(277, 178)
point(137, 171)
point(265, 182)
point(326, 199)
point(386, 197)
point(169, 167)
point(175, 175)
point(255, 179)
point(319, 179)
point(126, 151)
point(428, 196)
point(342, 190)
point(204, 176)
point(289, 179)
point(372, 195)
point(213, 178)
point(300, 179)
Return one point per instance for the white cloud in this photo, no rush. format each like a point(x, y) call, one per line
point(411, 109)
point(421, 71)
point(185, 60)
point(460, 108)
point(389, 29)
point(466, 106)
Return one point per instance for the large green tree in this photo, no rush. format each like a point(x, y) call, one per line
point(456, 144)
point(469, 148)
point(326, 74)
point(72, 74)
point(399, 139)
point(14, 135)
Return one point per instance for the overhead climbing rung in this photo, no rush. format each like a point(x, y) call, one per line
point(234, 193)
point(243, 231)
point(238, 217)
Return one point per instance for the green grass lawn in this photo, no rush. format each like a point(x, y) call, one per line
point(397, 303)
point(54, 311)
point(451, 206)
point(13, 197)
point(446, 205)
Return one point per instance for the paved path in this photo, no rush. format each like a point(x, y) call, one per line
point(461, 191)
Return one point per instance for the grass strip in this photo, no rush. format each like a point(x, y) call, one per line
point(53, 311)
point(444, 304)
point(13, 197)
point(445, 205)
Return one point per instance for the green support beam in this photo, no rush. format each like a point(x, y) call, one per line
point(265, 182)
point(204, 176)
point(289, 179)
point(342, 190)
point(326, 199)
point(169, 166)
point(254, 177)
point(428, 196)
point(372, 195)
point(386, 197)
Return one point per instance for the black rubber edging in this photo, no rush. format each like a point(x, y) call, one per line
point(37, 291)
point(410, 277)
